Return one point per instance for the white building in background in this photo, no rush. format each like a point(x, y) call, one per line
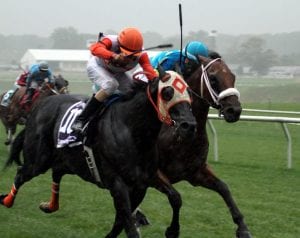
point(59, 60)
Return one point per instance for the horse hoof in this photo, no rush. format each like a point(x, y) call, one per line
point(243, 234)
point(2, 196)
point(171, 233)
point(7, 142)
point(5, 201)
point(141, 219)
point(45, 207)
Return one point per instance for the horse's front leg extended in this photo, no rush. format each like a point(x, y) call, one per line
point(53, 204)
point(10, 131)
point(206, 178)
point(163, 185)
point(24, 174)
point(9, 137)
point(120, 193)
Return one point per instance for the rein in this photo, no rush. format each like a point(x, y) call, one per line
point(214, 95)
point(162, 118)
point(166, 120)
point(180, 94)
point(51, 89)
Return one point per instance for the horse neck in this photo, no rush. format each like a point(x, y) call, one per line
point(200, 111)
point(141, 119)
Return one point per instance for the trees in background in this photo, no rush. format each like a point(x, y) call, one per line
point(253, 53)
point(66, 38)
point(257, 52)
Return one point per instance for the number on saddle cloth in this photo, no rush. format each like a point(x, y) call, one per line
point(6, 99)
point(66, 136)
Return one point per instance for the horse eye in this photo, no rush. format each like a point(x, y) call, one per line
point(213, 78)
point(167, 93)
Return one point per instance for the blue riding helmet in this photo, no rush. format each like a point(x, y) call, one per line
point(43, 66)
point(194, 48)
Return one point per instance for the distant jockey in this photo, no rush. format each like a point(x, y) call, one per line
point(37, 74)
point(169, 59)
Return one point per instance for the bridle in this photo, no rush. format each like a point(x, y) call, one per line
point(204, 80)
point(180, 95)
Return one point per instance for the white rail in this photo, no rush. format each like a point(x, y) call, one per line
point(282, 120)
point(270, 111)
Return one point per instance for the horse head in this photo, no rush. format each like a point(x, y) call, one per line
point(216, 86)
point(170, 97)
point(61, 84)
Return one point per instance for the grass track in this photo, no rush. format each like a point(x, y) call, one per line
point(252, 162)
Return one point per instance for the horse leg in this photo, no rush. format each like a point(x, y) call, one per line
point(53, 204)
point(119, 192)
point(136, 198)
point(24, 174)
point(206, 178)
point(163, 185)
point(9, 138)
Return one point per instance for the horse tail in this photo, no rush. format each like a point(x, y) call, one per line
point(15, 150)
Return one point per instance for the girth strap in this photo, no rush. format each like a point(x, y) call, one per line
point(90, 159)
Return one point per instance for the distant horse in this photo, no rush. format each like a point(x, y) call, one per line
point(211, 84)
point(123, 144)
point(14, 114)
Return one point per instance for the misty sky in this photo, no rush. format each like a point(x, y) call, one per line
point(41, 17)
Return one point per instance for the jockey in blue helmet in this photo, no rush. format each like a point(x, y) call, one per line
point(169, 59)
point(37, 74)
point(194, 48)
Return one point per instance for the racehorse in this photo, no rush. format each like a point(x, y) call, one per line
point(123, 144)
point(211, 84)
point(15, 114)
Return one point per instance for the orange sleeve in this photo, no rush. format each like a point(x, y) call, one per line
point(101, 49)
point(147, 67)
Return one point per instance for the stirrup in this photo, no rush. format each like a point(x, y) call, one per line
point(77, 126)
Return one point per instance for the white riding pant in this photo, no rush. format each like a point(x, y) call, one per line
point(104, 79)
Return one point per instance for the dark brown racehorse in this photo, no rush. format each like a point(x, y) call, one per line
point(212, 84)
point(15, 114)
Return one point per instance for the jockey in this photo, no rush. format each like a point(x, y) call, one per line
point(19, 82)
point(169, 59)
point(37, 74)
point(112, 57)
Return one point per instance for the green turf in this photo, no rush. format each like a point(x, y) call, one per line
point(252, 161)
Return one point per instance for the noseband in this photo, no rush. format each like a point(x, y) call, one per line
point(214, 95)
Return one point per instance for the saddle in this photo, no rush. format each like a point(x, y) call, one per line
point(25, 104)
point(66, 136)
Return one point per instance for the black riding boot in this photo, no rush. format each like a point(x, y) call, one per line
point(29, 94)
point(91, 107)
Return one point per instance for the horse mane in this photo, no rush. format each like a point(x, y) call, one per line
point(136, 87)
point(214, 55)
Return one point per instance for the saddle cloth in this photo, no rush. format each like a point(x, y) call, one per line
point(7, 97)
point(65, 136)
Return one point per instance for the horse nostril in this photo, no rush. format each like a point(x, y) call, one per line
point(236, 111)
point(184, 125)
point(187, 127)
point(230, 110)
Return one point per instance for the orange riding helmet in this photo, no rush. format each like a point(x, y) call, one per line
point(130, 40)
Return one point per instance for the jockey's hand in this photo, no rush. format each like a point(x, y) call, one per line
point(118, 59)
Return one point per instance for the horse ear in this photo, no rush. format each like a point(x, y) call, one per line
point(178, 69)
point(161, 71)
point(214, 55)
point(163, 75)
point(201, 59)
